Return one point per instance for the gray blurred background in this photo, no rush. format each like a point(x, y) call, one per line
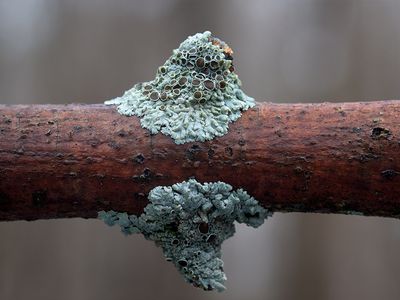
point(285, 51)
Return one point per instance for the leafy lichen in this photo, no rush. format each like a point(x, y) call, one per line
point(194, 96)
point(189, 221)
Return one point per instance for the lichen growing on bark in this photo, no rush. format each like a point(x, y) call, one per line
point(194, 96)
point(189, 221)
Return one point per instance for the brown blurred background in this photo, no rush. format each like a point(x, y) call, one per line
point(285, 51)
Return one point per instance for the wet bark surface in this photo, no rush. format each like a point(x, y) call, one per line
point(60, 161)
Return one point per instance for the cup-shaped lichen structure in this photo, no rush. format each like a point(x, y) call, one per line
point(189, 221)
point(194, 96)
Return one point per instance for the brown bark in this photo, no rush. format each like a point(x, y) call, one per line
point(60, 161)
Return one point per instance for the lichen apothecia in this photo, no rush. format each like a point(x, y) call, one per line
point(194, 96)
point(189, 221)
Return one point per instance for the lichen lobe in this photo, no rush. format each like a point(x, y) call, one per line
point(194, 96)
point(189, 221)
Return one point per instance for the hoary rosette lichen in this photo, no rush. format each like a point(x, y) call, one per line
point(195, 94)
point(190, 221)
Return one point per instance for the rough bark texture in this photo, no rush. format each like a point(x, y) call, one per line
point(59, 161)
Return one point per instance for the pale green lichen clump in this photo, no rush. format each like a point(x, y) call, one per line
point(190, 221)
point(195, 94)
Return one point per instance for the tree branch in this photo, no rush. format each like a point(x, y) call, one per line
point(59, 161)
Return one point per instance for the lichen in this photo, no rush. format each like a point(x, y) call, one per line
point(194, 96)
point(189, 221)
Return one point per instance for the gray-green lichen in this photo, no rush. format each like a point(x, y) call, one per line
point(195, 94)
point(189, 221)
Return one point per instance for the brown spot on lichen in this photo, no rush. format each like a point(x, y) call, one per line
point(182, 263)
point(203, 227)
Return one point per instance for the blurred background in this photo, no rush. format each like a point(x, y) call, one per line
point(63, 51)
